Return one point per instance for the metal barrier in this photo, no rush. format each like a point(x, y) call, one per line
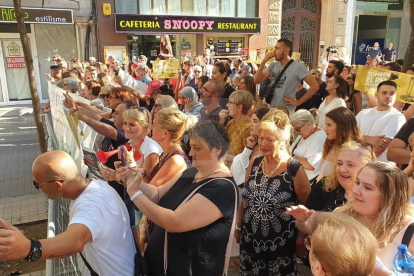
point(58, 219)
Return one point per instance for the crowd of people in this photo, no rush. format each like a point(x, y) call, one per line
point(231, 165)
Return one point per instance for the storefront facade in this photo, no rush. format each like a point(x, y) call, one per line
point(50, 31)
point(129, 44)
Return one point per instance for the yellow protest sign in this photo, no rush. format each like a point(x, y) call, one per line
point(163, 69)
point(368, 78)
point(296, 56)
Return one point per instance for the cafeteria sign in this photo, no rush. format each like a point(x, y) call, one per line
point(14, 56)
point(129, 23)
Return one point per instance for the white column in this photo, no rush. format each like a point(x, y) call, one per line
point(349, 33)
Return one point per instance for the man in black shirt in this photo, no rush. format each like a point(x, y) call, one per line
point(389, 53)
point(211, 93)
point(321, 93)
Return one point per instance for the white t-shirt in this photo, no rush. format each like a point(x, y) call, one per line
point(310, 148)
point(112, 249)
point(288, 83)
point(375, 123)
point(323, 109)
point(150, 146)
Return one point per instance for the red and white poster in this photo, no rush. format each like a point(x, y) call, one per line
point(14, 55)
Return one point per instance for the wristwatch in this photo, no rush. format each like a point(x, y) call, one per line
point(35, 251)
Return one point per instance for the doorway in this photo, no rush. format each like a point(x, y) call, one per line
point(301, 23)
point(14, 82)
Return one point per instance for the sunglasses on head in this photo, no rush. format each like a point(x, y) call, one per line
point(37, 185)
point(103, 96)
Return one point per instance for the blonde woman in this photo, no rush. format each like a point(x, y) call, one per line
point(273, 182)
point(340, 245)
point(168, 130)
point(145, 151)
point(409, 170)
point(381, 202)
point(333, 191)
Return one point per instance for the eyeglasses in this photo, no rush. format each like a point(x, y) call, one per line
point(157, 105)
point(112, 97)
point(37, 185)
point(308, 243)
point(297, 129)
point(103, 96)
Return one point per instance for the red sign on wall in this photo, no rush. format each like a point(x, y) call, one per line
point(15, 62)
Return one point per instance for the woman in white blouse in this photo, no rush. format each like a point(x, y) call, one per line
point(308, 146)
point(338, 93)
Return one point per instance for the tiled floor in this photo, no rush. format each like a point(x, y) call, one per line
point(20, 202)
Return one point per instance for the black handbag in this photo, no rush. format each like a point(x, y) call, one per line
point(270, 89)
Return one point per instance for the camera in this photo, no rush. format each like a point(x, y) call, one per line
point(332, 49)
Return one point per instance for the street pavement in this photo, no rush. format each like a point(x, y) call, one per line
point(20, 202)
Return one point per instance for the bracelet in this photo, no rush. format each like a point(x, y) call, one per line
point(137, 193)
point(300, 243)
point(249, 148)
point(238, 229)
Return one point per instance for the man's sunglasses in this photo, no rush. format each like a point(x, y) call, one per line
point(37, 185)
point(103, 96)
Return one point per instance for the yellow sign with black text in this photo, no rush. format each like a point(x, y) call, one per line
point(368, 78)
point(163, 69)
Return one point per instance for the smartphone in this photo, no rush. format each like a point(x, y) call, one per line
point(122, 156)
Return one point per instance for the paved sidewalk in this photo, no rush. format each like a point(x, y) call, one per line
point(20, 202)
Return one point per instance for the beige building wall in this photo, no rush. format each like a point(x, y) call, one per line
point(334, 24)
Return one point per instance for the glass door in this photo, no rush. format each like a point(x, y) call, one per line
point(15, 72)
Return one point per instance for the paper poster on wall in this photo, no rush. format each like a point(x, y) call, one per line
point(14, 55)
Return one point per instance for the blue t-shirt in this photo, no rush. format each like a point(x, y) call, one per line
point(389, 54)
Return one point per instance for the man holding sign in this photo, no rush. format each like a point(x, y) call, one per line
point(380, 124)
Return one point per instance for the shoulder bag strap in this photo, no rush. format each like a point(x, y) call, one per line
point(229, 243)
point(93, 273)
point(283, 71)
point(408, 234)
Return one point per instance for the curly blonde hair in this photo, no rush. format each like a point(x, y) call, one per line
point(277, 122)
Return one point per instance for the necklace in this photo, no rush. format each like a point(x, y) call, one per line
point(163, 157)
point(265, 177)
point(198, 180)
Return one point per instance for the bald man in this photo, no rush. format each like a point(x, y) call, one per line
point(98, 226)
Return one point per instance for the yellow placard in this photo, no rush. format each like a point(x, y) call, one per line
point(296, 56)
point(163, 69)
point(368, 79)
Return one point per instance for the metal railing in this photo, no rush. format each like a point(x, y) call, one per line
point(58, 218)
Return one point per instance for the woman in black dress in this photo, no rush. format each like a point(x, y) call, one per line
point(273, 182)
point(198, 231)
point(166, 51)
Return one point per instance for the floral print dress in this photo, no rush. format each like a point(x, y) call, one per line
point(267, 243)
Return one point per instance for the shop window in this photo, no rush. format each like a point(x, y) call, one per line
point(224, 8)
